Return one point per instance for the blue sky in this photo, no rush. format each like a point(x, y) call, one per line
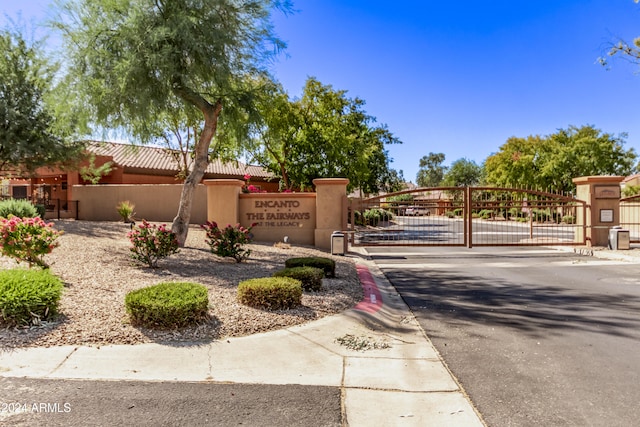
point(461, 77)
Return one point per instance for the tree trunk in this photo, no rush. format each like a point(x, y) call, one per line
point(180, 224)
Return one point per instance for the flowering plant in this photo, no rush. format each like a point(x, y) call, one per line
point(27, 239)
point(152, 242)
point(228, 242)
point(248, 187)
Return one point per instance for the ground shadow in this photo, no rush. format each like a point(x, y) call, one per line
point(533, 309)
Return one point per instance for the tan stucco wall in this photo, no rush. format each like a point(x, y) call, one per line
point(153, 202)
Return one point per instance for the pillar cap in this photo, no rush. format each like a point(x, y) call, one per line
point(598, 180)
point(231, 182)
point(330, 181)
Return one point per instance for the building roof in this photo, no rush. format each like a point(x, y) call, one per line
point(162, 159)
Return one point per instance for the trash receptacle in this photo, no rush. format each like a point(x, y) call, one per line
point(619, 239)
point(337, 243)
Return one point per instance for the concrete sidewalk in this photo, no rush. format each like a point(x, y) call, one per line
point(396, 378)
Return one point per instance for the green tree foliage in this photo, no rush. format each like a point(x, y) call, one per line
point(321, 135)
point(431, 172)
point(30, 134)
point(134, 62)
point(630, 51)
point(463, 173)
point(552, 162)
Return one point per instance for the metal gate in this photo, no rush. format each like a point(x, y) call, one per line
point(630, 217)
point(471, 216)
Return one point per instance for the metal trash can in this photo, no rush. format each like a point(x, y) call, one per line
point(619, 239)
point(337, 243)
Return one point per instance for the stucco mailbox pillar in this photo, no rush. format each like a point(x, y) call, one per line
point(222, 200)
point(602, 194)
point(331, 209)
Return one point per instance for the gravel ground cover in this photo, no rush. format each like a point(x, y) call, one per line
point(94, 263)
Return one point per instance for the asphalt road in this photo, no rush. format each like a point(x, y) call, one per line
point(38, 402)
point(439, 230)
point(536, 337)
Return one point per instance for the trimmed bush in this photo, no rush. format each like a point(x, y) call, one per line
point(168, 304)
point(17, 207)
point(28, 296)
point(270, 293)
point(310, 277)
point(326, 264)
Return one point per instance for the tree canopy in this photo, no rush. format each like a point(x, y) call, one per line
point(323, 134)
point(431, 172)
point(31, 135)
point(463, 173)
point(552, 162)
point(132, 62)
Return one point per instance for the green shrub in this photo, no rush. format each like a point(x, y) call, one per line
point(486, 213)
point(450, 214)
point(168, 304)
point(457, 212)
point(17, 207)
point(326, 264)
point(27, 296)
point(229, 242)
point(149, 243)
point(310, 277)
point(375, 215)
point(569, 219)
point(270, 293)
point(41, 210)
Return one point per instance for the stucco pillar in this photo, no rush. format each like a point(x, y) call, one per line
point(602, 194)
point(331, 209)
point(223, 206)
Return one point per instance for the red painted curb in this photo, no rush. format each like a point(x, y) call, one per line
point(372, 301)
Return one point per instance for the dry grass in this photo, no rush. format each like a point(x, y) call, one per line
point(94, 263)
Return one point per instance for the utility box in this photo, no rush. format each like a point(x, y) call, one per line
point(337, 243)
point(619, 239)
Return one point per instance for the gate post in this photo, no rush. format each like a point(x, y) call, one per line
point(602, 195)
point(223, 200)
point(331, 209)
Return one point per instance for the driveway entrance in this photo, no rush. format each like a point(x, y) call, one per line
point(537, 337)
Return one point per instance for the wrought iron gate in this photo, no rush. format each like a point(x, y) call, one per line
point(471, 216)
point(630, 217)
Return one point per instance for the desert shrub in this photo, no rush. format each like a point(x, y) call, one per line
point(229, 242)
point(486, 213)
point(28, 296)
point(168, 304)
point(151, 243)
point(17, 207)
point(358, 218)
point(27, 239)
point(326, 264)
point(569, 219)
point(375, 215)
point(457, 212)
point(270, 293)
point(450, 214)
point(310, 277)
point(125, 210)
point(41, 210)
